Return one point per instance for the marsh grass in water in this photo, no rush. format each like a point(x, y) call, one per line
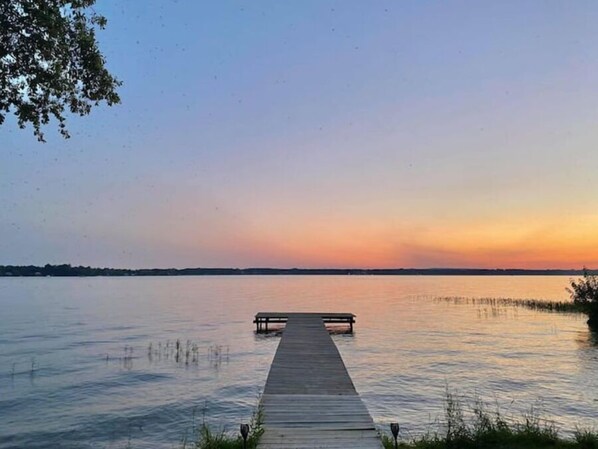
point(187, 353)
point(533, 304)
point(473, 426)
point(583, 293)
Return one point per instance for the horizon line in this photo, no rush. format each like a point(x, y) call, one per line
point(286, 269)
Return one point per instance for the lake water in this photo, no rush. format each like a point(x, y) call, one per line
point(94, 383)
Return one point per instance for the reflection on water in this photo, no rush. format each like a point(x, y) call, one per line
point(593, 337)
point(587, 339)
point(76, 366)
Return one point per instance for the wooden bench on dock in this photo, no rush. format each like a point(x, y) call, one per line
point(262, 319)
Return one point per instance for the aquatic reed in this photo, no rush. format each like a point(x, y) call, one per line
point(187, 353)
point(534, 304)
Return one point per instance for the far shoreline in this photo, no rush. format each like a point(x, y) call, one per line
point(66, 270)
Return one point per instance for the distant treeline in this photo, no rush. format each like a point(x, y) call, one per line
point(68, 270)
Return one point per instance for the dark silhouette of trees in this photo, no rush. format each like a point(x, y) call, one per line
point(69, 270)
point(50, 62)
point(584, 292)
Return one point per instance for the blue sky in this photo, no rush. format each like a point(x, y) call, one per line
point(322, 134)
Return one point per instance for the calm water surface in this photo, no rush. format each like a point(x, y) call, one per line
point(95, 384)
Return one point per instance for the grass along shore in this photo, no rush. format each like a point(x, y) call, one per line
point(466, 425)
point(474, 426)
point(203, 436)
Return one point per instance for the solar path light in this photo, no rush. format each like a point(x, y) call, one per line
point(244, 433)
point(394, 428)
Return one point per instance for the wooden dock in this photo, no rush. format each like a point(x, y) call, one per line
point(309, 400)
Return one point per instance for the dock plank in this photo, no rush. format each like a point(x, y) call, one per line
point(309, 400)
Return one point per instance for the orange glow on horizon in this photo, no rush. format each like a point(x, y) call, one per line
point(536, 243)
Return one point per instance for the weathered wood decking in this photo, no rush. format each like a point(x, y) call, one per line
point(309, 400)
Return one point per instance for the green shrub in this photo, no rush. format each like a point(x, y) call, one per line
point(584, 292)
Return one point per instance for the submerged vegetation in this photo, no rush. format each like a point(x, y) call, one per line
point(475, 427)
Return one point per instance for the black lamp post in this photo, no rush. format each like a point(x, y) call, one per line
point(394, 428)
point(244, 433)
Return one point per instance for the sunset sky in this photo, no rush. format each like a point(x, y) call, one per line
point(322, 134)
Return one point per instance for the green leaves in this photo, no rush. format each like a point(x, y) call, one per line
point(584, 292)
point(50, 62)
